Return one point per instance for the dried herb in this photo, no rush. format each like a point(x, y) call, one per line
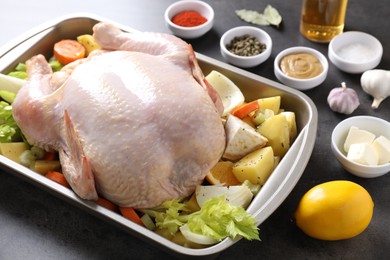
point(270, 16)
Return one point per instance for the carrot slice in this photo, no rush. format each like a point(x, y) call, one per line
point(245, 109)
point(130, 213)
point(67, 51)
point(57, 177)
point(50, 156)
point(107, 204)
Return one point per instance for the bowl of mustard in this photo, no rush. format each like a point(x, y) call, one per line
point(301, 68)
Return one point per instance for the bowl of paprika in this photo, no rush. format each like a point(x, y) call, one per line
point(189, 19)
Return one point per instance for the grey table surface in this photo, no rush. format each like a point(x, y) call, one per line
point(36, 225)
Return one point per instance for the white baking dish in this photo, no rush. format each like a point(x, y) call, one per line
point(277, 188)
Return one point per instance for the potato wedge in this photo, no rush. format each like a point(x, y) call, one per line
point(256, 166)
point(276, 130)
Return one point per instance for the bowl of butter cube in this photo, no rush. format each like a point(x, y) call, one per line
point(362, 145)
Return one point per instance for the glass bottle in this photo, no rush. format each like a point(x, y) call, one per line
point(322, 20)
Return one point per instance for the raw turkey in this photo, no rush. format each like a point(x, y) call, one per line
point(136, 122)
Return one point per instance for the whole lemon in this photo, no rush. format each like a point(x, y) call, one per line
point(335, 210)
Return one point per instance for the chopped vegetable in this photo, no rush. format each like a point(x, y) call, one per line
point(89, 42)
point(244, 110)
point(237, 195)
point(219, 219)
point(107, 204)
point(57, 177)
point(148, 222)
point(67, 51)
point(27, 158)
point(230, 94)
point(43, 166)
point(9, 131)
point(55, 64)
point(130, 214)
point(241, 139)
point(170, 215)
point(19, 72)
point(7, 96)
point(12, 150)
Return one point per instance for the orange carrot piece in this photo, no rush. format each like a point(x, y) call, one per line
point(57, 177)
point(245, 109)
point(107, 204)
point(67, 51)
point(130, 213)
point(50, 156)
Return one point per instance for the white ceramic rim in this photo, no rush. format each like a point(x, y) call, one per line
point(168, 15)
point(297, 49)
point(267, 37)
point(333, 53)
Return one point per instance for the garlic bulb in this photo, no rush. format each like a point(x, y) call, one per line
point(377, 84)
point(343, 100)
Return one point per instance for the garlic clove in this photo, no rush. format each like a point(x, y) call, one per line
point(343, 100)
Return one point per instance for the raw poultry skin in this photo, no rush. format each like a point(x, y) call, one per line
point(135, 123)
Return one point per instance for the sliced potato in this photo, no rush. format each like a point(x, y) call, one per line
point(272, 103)
point(276, 130)
point(89, 43)
point(192, 205)
point(43, 166)
point(13, 150)
point(292, 125)
point(256, 166)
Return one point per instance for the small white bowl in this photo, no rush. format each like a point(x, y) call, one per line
point(189, 5)
point(301, 84)
point(355, 52)
point(372, 124)
point(245, 61)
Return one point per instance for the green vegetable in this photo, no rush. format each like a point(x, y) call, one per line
point(21, 67)
point(9, 131)
point(170, 215)
point(18, 74)
point(55, 64)
point(270, 16)
point(7, 96)
point(21, 72)
point(217, 219)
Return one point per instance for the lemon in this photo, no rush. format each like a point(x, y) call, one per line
point(335, 210)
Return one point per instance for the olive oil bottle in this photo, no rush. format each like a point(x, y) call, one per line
point(322, 20)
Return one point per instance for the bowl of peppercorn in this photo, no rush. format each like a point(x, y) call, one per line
point(189, 19)
point(246, 46)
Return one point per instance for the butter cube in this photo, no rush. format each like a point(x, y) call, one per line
point(363, 153)
point(356, 136)
point(381, 146)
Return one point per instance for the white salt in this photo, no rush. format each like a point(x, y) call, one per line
point(356, 52)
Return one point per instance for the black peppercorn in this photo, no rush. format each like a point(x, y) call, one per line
point(246, 45)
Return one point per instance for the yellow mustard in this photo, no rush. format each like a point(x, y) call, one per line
point(301, 65)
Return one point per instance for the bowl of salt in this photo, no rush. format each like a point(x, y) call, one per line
point(355, 52)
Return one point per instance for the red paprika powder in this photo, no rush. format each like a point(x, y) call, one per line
point(189, 19)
